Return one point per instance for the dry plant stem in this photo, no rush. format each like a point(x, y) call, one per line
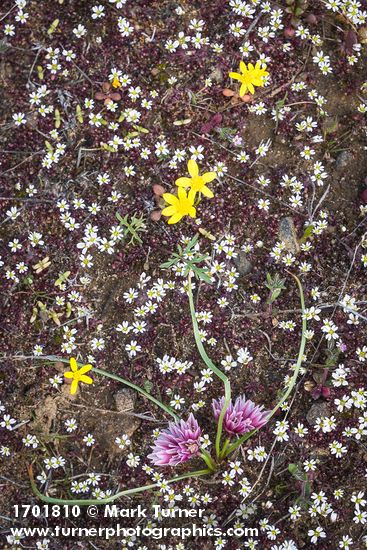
point(340, 294)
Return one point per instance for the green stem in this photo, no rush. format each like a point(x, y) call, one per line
point(301, 349)
point(224, 448)
point(208, 460)
point(138, 389)
point(239, 442)
point(119, 379)
point(212, 367)
point(86, 502)
point(293, 380)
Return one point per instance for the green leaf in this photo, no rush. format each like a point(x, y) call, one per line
point(40, 73)
point(307, 489)
point(57, 118)
point(226, 133)
point(109, 148)
point(69, 309)
point(148, 386)
point(28, 280)
point(292, 468)
point(79, 113)
point(168, 264)
point(306, 234)
point(330, 125)
point(63, 277)
point(275, 294)
point(49, 147)
point(140, 129)
point(203, 275)
point(182, 122)
point(53, 27)
point(191, 259)
point(297, 472)
point(133, 226)
point(332, 358)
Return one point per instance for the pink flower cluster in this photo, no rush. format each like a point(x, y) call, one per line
point(176, 444)
point(181, 441)
point(242, 417)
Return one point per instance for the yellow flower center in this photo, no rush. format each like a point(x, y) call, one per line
point(185, 206)
point(197, 183)
point(247, 77)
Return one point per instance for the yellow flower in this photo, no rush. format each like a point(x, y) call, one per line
point(115, 82)
point(197, 183)
point(251, 76)
point(77, 375)
point(181, 206)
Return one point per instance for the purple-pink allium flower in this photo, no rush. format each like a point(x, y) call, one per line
point(177, 443)
point(241, 417)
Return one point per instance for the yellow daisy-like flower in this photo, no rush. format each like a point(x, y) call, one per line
point(197, 183)
point(78, 375)
point(251, 76)
point(180, 206)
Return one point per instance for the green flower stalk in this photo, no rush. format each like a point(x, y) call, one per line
point(112, 498)
point(232, 448)
point(181, 440)
point(212, 367)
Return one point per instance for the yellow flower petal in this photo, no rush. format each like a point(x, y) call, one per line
point(73, 364)
point(69, 374)
point(85, 369)
point(236, 76)
point(243, 89)
point(193, 168)
point(207, 192)
point(209, 176)
point(175, 218)
point(169, 210)
point(181, 193)
point(86, 379)
point(183, 182)
point(191, 196)
point(252, 75)
point(192, 212)
point(74, 387)
point(170, 199)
